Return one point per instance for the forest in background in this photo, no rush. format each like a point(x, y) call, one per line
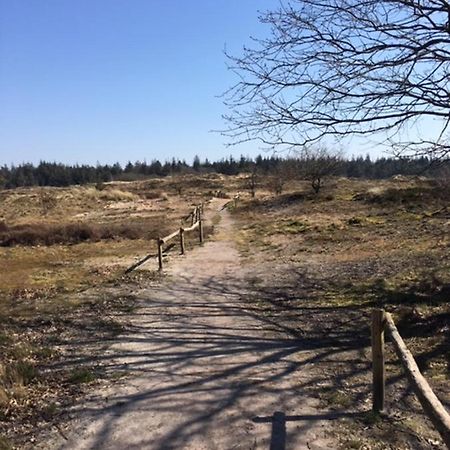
point(58, 174)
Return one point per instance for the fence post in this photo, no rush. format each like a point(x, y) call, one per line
point(160, 258)
point(200, 227)
point(378, 368)
point(192, 217)
point(182, 240)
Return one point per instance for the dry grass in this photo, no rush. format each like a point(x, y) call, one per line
point(32, 234)
point(359, 245)
point(61, 249)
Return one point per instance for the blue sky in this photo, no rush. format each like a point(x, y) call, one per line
point(114, 80)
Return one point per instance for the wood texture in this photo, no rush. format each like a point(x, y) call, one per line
point(170, 236)
point(160, 257)
point(378, 366)
point(200, 230)
point(193, 227)
point(182, 249)
point(428, 399)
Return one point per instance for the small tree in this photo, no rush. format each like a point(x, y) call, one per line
point(196, 163)
point(251, 182)
point(315, 165)
point(283, 172)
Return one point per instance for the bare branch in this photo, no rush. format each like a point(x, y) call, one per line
point(348, 67)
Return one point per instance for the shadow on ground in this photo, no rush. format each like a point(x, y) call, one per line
point(233, 361)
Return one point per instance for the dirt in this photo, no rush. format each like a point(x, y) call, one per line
point(321, 265)
point(203, 368)
point(259, 338)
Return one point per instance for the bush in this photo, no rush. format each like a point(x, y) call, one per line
point(152, 195)
point(415, 194)
point(73, 233)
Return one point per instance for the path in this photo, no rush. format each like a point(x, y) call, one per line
point(206, 371)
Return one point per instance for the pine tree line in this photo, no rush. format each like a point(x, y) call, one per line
point(57, 174)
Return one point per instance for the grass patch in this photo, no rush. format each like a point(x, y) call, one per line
point(5, 444)
point(82, 375)
point(20, 373)
point(4, 339)
point(335, 398)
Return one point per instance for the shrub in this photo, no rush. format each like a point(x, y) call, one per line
point(152, 195)
point(73, 233)
point(408, 195)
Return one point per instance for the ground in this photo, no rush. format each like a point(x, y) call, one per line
point(277, 341)
point(204, 370)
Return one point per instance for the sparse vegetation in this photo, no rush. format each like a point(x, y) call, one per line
point(354, 245)
point(82, 375)
point(48, 201)
point(72, 233)
point(327, 260)
point(51, 264)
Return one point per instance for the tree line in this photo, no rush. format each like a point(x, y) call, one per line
point(58, 174)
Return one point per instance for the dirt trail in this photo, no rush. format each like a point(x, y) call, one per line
point(205, 370)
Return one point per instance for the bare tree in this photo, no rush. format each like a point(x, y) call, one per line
point(333, 68)
point(251, 181)
point(316, 165)
point(284, 171)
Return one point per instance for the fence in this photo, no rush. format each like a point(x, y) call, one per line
point(433, 408)
point(196, 218)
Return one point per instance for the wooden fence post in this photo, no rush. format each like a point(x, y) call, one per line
point(182, 240)
point(378, 368)
point(200, 228)
point(160, 257)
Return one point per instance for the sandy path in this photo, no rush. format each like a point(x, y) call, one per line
point(205, 371)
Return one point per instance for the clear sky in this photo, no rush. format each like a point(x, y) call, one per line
point(117, 80)
point(114, 80)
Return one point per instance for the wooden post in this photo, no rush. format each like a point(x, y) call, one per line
point(193, 217)
point(200, 228)
point(160, 258)
point(378, 368)
point(182, 240)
